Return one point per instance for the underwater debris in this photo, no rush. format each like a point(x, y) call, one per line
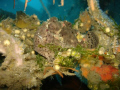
point(26, 1)
point(45, 8)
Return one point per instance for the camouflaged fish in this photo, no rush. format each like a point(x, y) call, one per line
point(54, 33)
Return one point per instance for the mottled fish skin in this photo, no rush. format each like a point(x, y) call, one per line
point(90, 40)
point(44, 51)
point(59, 33)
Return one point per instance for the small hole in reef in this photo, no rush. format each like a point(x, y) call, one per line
point(1, 58)
point(91, 46)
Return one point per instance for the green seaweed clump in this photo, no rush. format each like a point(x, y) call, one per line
point(53, 48)
point(40, 61)
point(84, 51)
point(68, 62)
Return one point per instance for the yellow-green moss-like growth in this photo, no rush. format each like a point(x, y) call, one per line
point(40, 61)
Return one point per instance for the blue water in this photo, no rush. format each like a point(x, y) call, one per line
point(69, 11)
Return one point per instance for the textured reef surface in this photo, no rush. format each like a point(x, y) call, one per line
point(32, 50)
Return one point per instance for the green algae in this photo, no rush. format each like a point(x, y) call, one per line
point(40, 61)
point(68, 62)
point(53, 48)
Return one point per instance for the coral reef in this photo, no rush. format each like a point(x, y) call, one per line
point(20, 73)
point(20, 63)
point(21, 77)
point(89, 49)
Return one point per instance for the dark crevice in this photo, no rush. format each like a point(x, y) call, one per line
point(1, 58)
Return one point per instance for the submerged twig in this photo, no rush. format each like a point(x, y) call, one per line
point(45, 8)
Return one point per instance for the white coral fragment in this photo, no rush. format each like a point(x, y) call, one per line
point(11, 48)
